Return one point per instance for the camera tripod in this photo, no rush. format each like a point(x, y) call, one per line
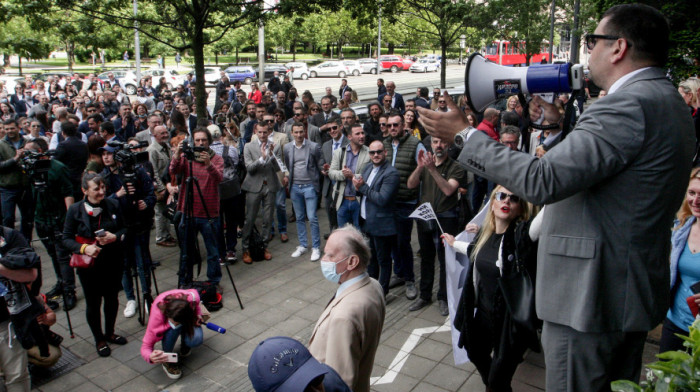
point(40, 184)
point(191, 244)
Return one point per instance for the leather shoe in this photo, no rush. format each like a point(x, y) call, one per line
point(395, 281)
point(419, 304)
point(246, 258)
point(292, 218)
point(168, 243)
point(284, 237)
point(268, 255)
point(444, 310)
point(411, 292)
point(69, 300)
point(55, 292)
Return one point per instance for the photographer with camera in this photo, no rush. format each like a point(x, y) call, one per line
point(14, 186)
point(53, 191)
point(130, 184)
point(206, 169)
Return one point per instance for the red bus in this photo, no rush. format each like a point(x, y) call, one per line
point(514, 53)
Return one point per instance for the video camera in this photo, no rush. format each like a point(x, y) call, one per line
point(37, 168)
point(189, 150)
point(129, 159)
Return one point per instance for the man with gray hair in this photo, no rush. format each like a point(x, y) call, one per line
point(510, 136)
point(347, 334)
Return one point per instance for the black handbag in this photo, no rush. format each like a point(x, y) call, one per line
point(519, 295)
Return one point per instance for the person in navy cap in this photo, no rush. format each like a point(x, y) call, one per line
point(282, 364)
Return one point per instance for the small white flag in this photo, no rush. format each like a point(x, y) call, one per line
point(426, 213)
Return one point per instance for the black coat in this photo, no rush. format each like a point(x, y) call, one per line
point(73, 152)
point(516, 244)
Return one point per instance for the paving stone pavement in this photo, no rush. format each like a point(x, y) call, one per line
point(283, 296)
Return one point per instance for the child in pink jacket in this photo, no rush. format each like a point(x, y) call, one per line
point(174, 314)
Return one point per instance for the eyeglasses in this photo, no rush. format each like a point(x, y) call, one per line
point(377, 152)
point(393, 125)
point(592, 39)
point(441, 101)
point(315, 110)
point(334, 127)
point(297, 114)
point(268, 121)
point(501, 196)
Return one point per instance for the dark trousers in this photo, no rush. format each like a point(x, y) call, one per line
point(589, 361)
point(332, 213)
point(496, 372)
point(60, 257)
point(138, 257)
point(669, 340)
point(95, 290)
point(430, 245)
point(11, 198)
point(380, 265)
point(229, 223)
point(402, 252)
point(208, 229)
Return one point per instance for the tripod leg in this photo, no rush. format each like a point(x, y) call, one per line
point(155, 281)
point(234, 286)
point(137, 291)
point(70, 325)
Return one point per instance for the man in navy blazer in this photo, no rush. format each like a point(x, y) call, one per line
point(396, 98)
point(377, 211)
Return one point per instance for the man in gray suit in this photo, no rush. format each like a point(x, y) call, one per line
point(148, 135)
point(612, 187)
point(338, 140)
point(312, 131)
point(159, 156)
point(304, 161)
point(323, 119)
point(261, 183)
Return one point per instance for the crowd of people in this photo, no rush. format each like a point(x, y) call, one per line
point(93, 170)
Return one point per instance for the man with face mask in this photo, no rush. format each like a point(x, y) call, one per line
point(438, 176)
point(347, 334)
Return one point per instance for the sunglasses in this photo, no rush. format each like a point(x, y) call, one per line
point(297, 114)
point(592, 39)
point(268, 121)
point(382, 124)
point(334, 127)
point(376, 152)
point(441, 101)
point(393, 125)
point(501, 196)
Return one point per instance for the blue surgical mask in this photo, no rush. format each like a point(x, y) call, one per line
point(329, 272)
point(172, 325)
point(61, 96)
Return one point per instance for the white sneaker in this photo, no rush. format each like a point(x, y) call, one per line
point(300, 251)
point(315, 254)
point(130, 309)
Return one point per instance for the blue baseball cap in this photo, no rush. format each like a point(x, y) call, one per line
point(107, 148)
point(282, 364)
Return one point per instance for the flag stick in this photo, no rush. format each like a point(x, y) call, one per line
point(440, 227)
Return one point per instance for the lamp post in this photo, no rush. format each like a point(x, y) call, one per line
point(379, 40)
point(137, 44)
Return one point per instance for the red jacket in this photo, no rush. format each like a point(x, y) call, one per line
point(489, 129)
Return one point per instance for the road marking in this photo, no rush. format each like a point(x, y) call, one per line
point(405, 351)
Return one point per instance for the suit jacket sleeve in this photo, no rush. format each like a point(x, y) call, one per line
point(319, 158)
point(385, 195)
point(345, 349)
point(589, 154)
point(335, 172)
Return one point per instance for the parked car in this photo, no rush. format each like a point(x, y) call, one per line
point(241, 73)
point(395, 63)
point(58, 75)
point(172, 77)
point(128, 81)
point(270, 71)
point(368, 65)
point(211, 75)
point(329, 68)
point(425, 65)
point(354, 67)
point(301, 70)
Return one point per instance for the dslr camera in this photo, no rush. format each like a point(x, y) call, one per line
point(190, 150)
point(37, 168)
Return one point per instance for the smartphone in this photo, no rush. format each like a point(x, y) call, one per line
point(695, 287)
point(172, 357)
point(100, 233)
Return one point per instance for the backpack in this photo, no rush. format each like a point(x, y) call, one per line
point(208, 295)
point(256, 246)
point(230, 185)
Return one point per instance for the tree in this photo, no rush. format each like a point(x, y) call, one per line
point(186, 24)
point(445, 21)
point(524, 21)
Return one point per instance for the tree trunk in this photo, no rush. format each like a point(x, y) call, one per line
point(69, 52)
point(237, 55)
point(391, 48)
point(200, 91)
point(293, 48)
point(216, 57)
point(443, 63)
point(20, 64)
